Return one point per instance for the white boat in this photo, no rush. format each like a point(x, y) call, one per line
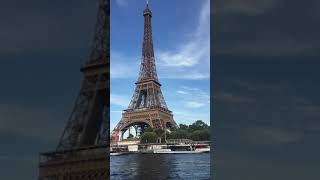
point(202, 148)
point(182, 149)
point(116, 151)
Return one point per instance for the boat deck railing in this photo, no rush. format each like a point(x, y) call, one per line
point(90, 152)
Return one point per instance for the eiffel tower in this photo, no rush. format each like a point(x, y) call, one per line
point(147, 107)
point(83, 149)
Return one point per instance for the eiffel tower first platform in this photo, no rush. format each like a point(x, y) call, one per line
point(83, 149)
point(147, 107)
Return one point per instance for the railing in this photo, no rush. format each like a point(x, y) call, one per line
point(186, 141)
point(168, 141)
point(148, 108)
point(179, 141)
point(90, 152)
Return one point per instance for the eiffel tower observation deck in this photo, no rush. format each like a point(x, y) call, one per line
point(147, 107)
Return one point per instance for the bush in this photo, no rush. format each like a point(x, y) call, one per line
point(200, 135)
point(148, 137)
point(198, 125)
point(198, 131)
point(183, 126)
point(179, 134)
point(148, 129)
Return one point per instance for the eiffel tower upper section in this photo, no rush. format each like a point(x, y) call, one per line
point(148, 67)
point(147, 93)
point(100, 46)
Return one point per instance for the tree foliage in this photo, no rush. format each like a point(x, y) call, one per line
point(148, 129)
point(159, 132)
point(183, 126)
point(179, 134)
point(200, 135)
point(148, 137)
point(197, 131)
point(198, 125)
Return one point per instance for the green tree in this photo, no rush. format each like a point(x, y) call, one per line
point(200, 135)
point(172, 129)
point(198, 125)
point(179, 134)
point(183, 126)
point(148, 129)
point(197, 131)
point(160, 134)
point(148, 137)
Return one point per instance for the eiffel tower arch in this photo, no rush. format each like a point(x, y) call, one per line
point(82, 152)
point(147, 107)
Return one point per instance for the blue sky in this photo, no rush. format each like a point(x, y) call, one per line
point(181, 35)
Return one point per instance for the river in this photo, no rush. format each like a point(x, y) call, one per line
point(160, 166)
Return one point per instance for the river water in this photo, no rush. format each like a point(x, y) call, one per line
point(160, 166)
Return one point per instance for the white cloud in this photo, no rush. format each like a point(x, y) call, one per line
point(122, 66)
point(119, 100)
point(122, 3)
point(182, 73)
point(182, 92)
point(182, 58)
point(193, 97)
point(194, 50)
point(186, 117)
point(191, 61)
point(194, 104)
point(192, 58)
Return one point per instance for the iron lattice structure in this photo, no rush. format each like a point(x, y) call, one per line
point(147, 106)
point(88, 123)
point(147, 95)
point(148, 67)
point(83, 147)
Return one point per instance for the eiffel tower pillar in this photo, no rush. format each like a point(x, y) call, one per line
point(83, 149)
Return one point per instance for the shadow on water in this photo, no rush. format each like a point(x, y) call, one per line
point(160, 166)
point(155, 165)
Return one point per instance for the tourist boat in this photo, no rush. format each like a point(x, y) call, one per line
point(117, 151)
point(202, 147)
point(182, 149)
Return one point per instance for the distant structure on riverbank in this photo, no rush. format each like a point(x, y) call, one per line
point(147, 107)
